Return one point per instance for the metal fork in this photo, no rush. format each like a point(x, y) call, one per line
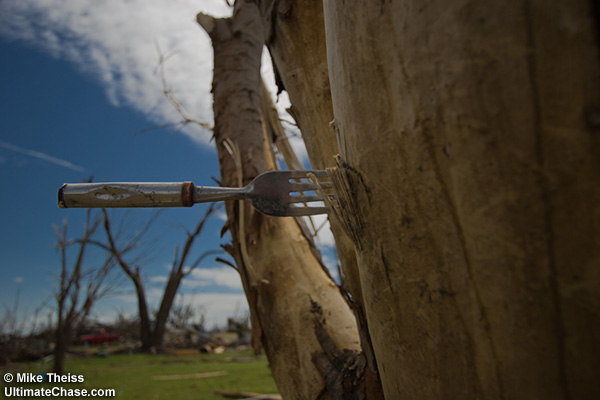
point(275, 193)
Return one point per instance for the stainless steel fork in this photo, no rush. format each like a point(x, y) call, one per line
point(276, 193)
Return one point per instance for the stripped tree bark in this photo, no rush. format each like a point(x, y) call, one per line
point(468, 179)
point(284, 281)
point(297, 47)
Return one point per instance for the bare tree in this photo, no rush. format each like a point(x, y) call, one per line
point(298, 314)
point(152, 332)
point(79, 286)
point(465, 181)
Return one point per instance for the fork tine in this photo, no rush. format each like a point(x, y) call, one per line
point(302, 186)
point(305, 199)
point(304, 211)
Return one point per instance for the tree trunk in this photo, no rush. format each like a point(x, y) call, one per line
point(468, 180)
point(64, 339)
point(299, 54)
point(60, 347)
point(296, 309)
point(166, 303)
point(145, 323)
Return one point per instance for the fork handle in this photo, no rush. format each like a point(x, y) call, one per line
point(146, 194)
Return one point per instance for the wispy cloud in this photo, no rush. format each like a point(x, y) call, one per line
point(216, 277)
point(216, 306)
point(158, 279)
point(115, 43)
point(223, 276)
point(42, 156)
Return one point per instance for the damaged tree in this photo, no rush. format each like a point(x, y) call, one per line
point(284, 280)
point(79, 287)
point(297, 47)
point(467, 182)
point(152, 332)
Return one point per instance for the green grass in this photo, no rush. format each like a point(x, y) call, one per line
point(134, 376)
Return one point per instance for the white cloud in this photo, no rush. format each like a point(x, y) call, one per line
point(222, 276)
point(158, 279)
point(221, 215)
point(202, 288)
point(324, 236)
point(127, 296)
point(114, 42)
point(42, 156)
point(217, 306)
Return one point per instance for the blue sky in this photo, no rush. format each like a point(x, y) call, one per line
point(78, 79)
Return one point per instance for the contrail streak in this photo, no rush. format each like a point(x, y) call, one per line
point(42, 156)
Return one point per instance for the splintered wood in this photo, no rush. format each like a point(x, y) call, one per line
point(345, 205)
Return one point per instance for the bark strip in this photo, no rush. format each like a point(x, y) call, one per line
point(472, 146)
point(279, 271)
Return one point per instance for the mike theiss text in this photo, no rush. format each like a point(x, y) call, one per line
point(52, 377)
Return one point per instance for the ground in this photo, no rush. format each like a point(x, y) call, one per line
point(187, 375)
